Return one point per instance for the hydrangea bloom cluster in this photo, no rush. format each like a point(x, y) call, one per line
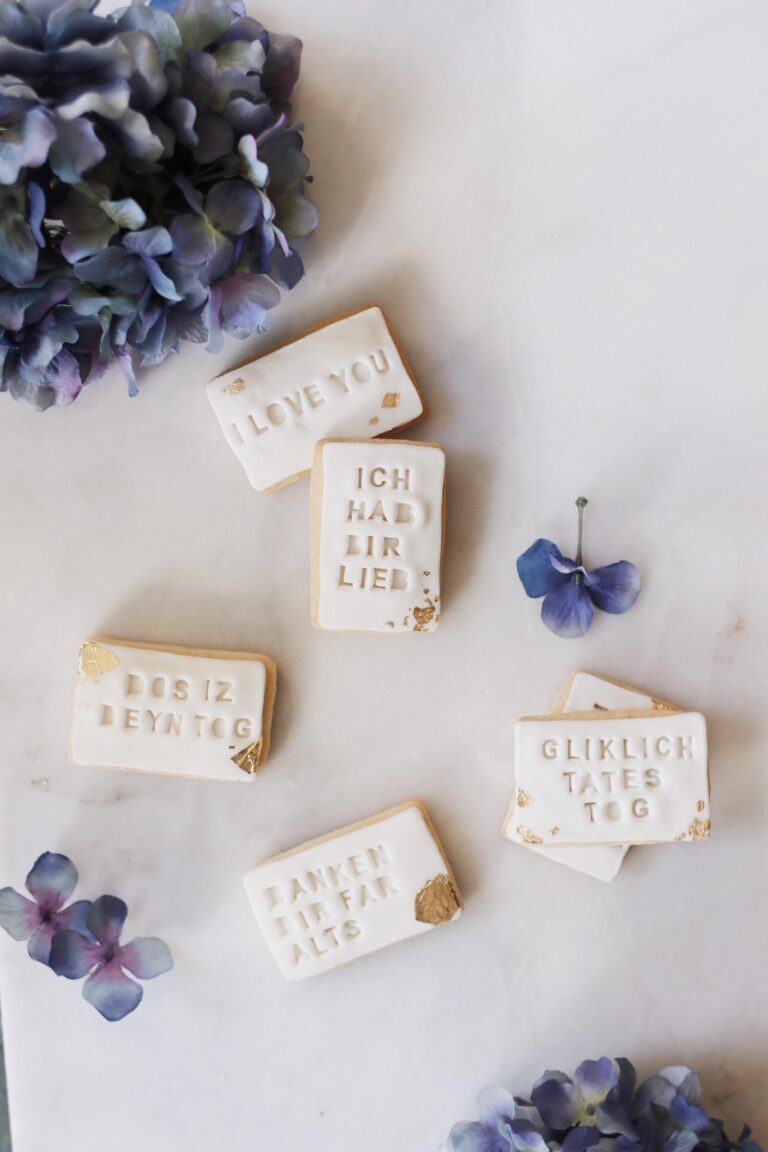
point(83, 939)
point(152, 185)
point(599, 1107)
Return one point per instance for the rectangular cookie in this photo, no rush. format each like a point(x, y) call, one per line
point(354, 891)
point(377, 518)
point(618, 778)
point(344, 378)
point(175, 711)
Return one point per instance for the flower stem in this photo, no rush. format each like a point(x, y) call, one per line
point(581, 504)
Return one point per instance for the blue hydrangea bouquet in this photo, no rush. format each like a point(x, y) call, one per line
point(600, 1107)
point(152, 185)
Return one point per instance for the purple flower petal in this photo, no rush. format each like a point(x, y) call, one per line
point(557, 1100)
point(74, 917)
point(75, 149)
point(245, 299)
point(36, 212)
point(536, 568)
point(567, 611)
point(615, 587)
point(52, 880)
point(281, 70)
point(26, 145)
point(476, 1137)
point(112, 993)
point(494, 1104)
point(233, 206)
point(524, 1136)
point(582, 1138)
point(215, 138)
point(149, 242)
point(39, 946)
point(72, 955)
point(18, 916)
point(106, 919)
point(685, 1081)
point(146, 957)
point(688, 1115)
point(596, 1078)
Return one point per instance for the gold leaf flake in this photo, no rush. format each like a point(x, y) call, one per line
point(373, 421)
point(523, 798)
point(660, 706)
point(391, 400)
point(248, 758)
point(700, 805)
point(554, 831)
point(528, 836)
point(389, 623)
point(422, 616)
point(405, 621)
point(680, 836)
point(426, 573)
point(438, 901)
point(95, 659)
point(699, 829)
point(235, 386)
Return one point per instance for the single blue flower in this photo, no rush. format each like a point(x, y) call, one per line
point(572, 592)
point(563, 1101)
point(51, 882)
point(497, 1109)
point(102, 958)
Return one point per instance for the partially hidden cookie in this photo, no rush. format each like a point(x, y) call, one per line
point(347, 377)
point(175, 711)
point(354, 891)
point(377, 524)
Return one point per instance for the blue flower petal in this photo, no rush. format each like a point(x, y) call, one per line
point(72, 955)
point(523, 1136)
point(233, 206)
point(596, 1078)
point(582, 1138)
point(685, 1081)
point(568, 611)
point(112, 993)
point(494, 1104)
point(557, 1100)
point(74, 917)
point(536, 570)
point(146, 957)
point(75, 149)
point(52, 880)
point(476, 1137)
point(688, 1115)
point(615, 587)
point(19, 917)
point(106, 919)
point(39, 946)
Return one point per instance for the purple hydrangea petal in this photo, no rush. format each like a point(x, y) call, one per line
point(109, 100)
point(194, 240)
point(615, 587)
point(26, 146)
point(296, 215)
point(181, 114)
point(18, 248)
point(39, 946)
point(149, 242)
point(214, 138)
point(281, 70)
point(106, 919)
point(688, 1115)
point(568, 611)
point(75, 916)
point(75, 149)
point(19, 917)
point(582, 1138)
point(72, 955)
point(36, 212)
point(52, 880)
point(111, 992)
point(557, 1100)
point(473, 1136)
point(523, 1136)
point(202, 22)
point(685, 1081)
point(233, 206)
point(146, 957)
point(536, 569)
point(245, 300)
point(494, 1104)
point(596, 1078)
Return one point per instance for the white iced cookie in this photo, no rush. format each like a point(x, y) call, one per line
point(585, 692)
point(378, 509)
point(344, 378)
point(353, 892)
point(620, 778)
point(174, 711)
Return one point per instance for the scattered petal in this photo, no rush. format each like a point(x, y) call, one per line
point(146, 957)
point(52, 880)
point(112, 993)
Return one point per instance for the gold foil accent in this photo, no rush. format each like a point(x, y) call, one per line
point(680, 836)
point(95, 659)
point(391, 400)
point(373, 421)
point(438, 901)
point(660, 706)
point(523, 798)
point(426, 573)
point(423, 616)
point(554, 831)
point(389, 623)
point(248, 758)
point(528, 836)
point(700, 805)
point(699, 829)
point(235, 386)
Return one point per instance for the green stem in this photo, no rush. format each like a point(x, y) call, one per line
point(581, 504)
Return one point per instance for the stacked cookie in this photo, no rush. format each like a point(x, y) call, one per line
point(610, 766)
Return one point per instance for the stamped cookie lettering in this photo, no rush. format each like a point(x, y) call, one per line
point(343, 379)
point(172, 710)
point(627, 779)
point(377, 511)
point(353, 892)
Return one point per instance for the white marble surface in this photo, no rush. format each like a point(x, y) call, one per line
point(561, 204)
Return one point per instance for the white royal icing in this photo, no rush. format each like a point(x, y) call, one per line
point(155, 710)
point(350, 893)
point(378, 536)
point(611, 780)
point(346, 379)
